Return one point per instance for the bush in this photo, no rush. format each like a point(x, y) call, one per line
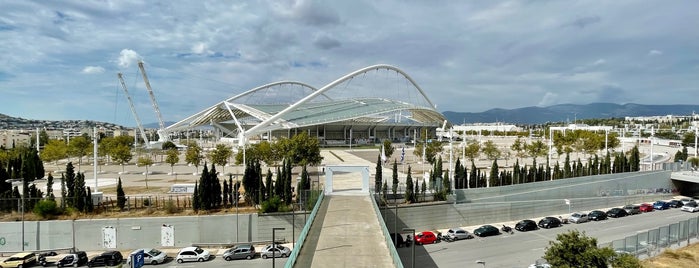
point(171, 208)
point(273, 204)
point(46, 208)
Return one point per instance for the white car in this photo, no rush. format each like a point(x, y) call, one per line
point(458, 233)
point(150, 256)
point(690, 207)
point(192, 254)
point(276, 251)
point(579, 217)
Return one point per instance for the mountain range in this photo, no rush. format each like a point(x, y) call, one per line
point(568, 113)
point(525, 115)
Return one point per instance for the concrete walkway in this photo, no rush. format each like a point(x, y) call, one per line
point(346, 231)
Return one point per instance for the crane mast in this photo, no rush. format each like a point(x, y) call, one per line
point(133, 110)
point(162, 136)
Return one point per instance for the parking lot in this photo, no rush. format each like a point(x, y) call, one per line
point(524, 248)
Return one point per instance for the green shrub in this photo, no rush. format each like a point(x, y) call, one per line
point(171, 208)
point(274, 204)
point(46, 208)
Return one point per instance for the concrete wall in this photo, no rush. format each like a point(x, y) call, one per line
point(134, 233)
point(532, 200)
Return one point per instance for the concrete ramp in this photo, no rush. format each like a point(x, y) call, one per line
point(345, 233)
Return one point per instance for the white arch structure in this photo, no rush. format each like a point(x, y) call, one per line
point(228, 115)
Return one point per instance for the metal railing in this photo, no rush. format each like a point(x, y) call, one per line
point(389, 242)
point(652, 242)
point(302, 236)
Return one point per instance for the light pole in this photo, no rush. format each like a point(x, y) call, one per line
point(237, 221)
point(413, 254)
point(274, 245)
point(481, 262)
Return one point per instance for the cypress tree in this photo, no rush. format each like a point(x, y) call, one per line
point(378, 177)
point(269, 190)
point(287, 184)
point(494, 172)
point(394, 187)
point(409, 187)
point(196, 205)
point(473, 178)
point(70, 184)
point(224, 201)
point(121, 196)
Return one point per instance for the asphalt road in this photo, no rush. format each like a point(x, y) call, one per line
point(523, 248)
point(217, 261)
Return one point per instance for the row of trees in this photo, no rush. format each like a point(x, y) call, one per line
point(440, 182)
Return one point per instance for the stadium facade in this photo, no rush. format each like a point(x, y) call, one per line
point(368, 105)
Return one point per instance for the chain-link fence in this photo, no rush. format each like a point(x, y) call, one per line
point(651, 243)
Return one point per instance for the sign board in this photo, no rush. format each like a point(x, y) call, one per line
point(167, 235)
point(109, 237)
point(567, 202)
point(185, 188)
point(137, 260)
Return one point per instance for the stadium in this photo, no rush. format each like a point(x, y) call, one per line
point(368, 105)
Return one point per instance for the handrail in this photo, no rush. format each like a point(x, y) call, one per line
point(386, 235)
point(306, 228)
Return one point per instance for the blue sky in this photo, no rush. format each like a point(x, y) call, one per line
point(59, 59)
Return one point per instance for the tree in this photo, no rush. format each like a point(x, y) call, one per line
point(54, 150)
point(173, 156)
point(394, 187)
point(168, 145)
point(575, 249)
point(193, 155)
point(49, 187)
point(472, 150)
point(491, 150)
point(220, 155)
point(121, 196)
point(388, 148)
point(409, 188)
point(519, 147)
point(121, 155)
point(537, 149)
point(69, 179)
point(379, 176)
point(79, 147)
point(145, 162)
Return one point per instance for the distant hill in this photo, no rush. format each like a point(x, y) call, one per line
point(567, 112)
point(9, 122)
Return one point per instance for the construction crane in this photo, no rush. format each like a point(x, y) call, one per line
point(162, 136)
point(133, 110)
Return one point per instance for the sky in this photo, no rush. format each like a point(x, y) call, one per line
point(59, 59)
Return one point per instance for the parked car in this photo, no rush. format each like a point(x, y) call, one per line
point(75, 259)
point(661, 205)
point(19, 260)
point(109, 258)
point(632, 209)
point(645, 207)
point(276, 251)
point(398, 240)
point(526, 225)
point(192, 254)
point(486, 230)
point(42, 256)
point(549, 222)
point(616, 213)
point(244, 251)
point(458, 233)
point(686, 200)
point(690, 207)
point(674, 203)
point(597, 215)
point(150, 256)
point(579, 217)
point(425, 237)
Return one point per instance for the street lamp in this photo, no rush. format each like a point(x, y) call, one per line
point(481, 262)
point(413, 254)
point(274, 245)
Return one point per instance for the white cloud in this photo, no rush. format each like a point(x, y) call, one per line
point(599, 62)
point(128, 57)
point(548, 99)
point(201, 48)
point(93, 70)
point(655, 53)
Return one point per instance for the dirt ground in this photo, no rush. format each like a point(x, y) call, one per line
point(680, 258)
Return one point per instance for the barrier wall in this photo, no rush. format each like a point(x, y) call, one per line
point(159, 232)
point(532, 200)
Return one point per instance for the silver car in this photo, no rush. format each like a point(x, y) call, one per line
point(579, 217)
point(458, 234)
point(150, 256)
point(276, 251)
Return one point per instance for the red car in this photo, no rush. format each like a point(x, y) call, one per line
point(425, 237)
point(646, 207)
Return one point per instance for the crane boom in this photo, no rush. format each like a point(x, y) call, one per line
point(133, 110)
point(161, 133)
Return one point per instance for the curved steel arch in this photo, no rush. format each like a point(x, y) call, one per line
point(278, 83)
point(333, 84)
